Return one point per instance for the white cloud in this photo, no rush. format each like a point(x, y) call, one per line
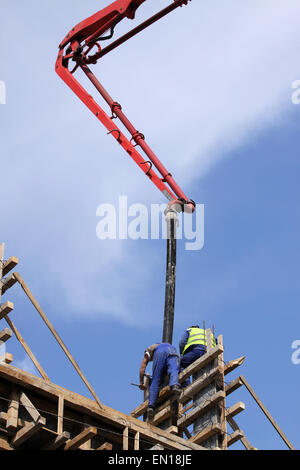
point(27, 365)
point(199, 84)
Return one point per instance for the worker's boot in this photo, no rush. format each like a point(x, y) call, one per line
point(176, 390)
point(150, 413)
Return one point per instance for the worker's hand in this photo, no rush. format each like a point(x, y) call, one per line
point(142, 387)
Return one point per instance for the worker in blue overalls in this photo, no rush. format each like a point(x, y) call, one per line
point(192, 345)
point(165, 361)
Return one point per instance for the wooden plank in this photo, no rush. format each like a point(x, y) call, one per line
point(235, 409)
point(267, 414)
point(7, 283)
point(30, 408)
point(201, 409)
point(244, 440)
point(125, 439)
point(10, 264)
point(13, 410)
point(105, 446)
point(88, 406)
point(84, 436)
point(198, 385)
point(234, 437)
point(26, 432)
point(5, 309)
point(234, 385)
point(231, 365)
point(60, 417)
point(157, 447)
point(7, 358)
point(206, 433)
point(26, 348)
point(4, 444)
point(58, 441)
point(162, 415)
point(194, 367)
point(5, 335)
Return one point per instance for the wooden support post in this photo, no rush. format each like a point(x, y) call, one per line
point(84, 436)
point(13, 410)
point(267, 414)
point(125, 439)
point(27, 349)
point(56, 336)
point(222, 405)
point(60, 417)
point(137, 441)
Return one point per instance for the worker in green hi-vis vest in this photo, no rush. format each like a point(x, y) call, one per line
point(192, 345)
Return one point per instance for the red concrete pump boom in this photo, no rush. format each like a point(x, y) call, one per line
point(77, 47)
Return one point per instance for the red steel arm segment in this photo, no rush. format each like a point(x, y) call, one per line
point(76, 47)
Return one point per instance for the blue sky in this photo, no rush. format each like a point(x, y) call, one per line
point(210, 86)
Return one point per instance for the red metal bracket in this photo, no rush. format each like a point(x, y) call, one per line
point(76, 47)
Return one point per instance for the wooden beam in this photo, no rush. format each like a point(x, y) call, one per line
point(162, 415)
point(84, 436)
point(267, 414)
point(201, 409)
point(26, 432)
point(5, 309)
point(8, 283)
point(58, 441)
point(234, 437)
point(26, 348)
point(13, 410)
point(125, 439)
point(172, 429)
point(105, 446)
point(56, 336)
point(10, 264)
point(157, 447)
point(230, 366)
point(244, 440)
point(7, 358)
point(232, 386)
point(222, 407)
point(5, 335)
point(30, 408)
point(60, 417)
point(235, 409)
point(206, 433)
point(4, 444)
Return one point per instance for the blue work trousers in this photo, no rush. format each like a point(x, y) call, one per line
point(193, 353)
point(165, 361)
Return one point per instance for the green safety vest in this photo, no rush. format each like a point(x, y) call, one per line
point(198, 336)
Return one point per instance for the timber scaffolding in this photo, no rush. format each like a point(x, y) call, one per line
point(36, 414)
